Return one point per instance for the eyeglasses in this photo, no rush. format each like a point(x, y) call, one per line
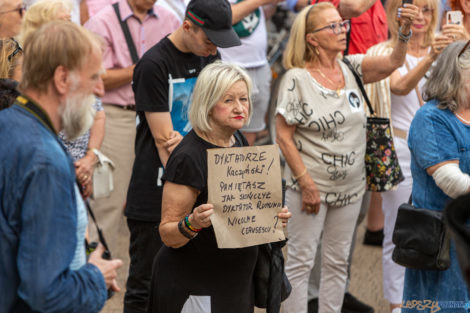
point(426, 11)
point(20, 10)
point(335, 27)
point(18, 49)
point(463, 49)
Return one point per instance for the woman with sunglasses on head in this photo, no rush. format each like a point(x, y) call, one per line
point(439, 141)
point(398, 98)
point(11, 57)
point(321, 131)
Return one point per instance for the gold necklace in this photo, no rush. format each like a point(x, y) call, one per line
point(461, 118)
point(338, 88)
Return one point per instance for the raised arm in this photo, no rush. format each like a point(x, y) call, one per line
point(375, 68)
point(346, 8)
point(243, 8)
point(353, 8)
point(402, 85)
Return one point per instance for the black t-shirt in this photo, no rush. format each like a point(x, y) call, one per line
point(200, 267)
point(163, 81)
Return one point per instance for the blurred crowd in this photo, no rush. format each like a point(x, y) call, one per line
point(107, 108)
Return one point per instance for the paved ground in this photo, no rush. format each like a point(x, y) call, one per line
point(366, 282)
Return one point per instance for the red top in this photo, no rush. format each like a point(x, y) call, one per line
point(368, 29)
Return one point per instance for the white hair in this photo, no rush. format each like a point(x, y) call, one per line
point(213, 82)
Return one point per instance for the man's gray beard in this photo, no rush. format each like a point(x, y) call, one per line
point(78, 115)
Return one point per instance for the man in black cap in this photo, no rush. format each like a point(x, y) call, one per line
point(163, 82)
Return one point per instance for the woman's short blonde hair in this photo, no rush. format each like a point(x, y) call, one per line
point(298, 51)
point(9, 60)
point(211, 85)
point(42, 12)
point(392, 10)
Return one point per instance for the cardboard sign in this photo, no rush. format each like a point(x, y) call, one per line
point(244, 185)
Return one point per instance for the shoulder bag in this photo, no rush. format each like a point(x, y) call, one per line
point(102, 176)
point(421, 239)
point(270, 281)
point(383, 172)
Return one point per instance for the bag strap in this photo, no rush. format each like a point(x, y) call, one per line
point(127, 34)
point(359, 84)
point(348, 40)
point(420, 99)
point(98, 229)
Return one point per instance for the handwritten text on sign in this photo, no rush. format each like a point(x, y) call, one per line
point(244, 185)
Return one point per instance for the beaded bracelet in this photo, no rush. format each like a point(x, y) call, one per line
point(191, 227)
point(402, 37)
point(184, 232)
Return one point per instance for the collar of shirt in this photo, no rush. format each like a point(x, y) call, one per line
point(126, 11)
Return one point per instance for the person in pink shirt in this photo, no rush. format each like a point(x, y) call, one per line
point(94, 6)
point(147, 24)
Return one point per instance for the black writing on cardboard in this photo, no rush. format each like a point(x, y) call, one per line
point(226, 158)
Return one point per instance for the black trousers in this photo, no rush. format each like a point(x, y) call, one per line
point(144, 244)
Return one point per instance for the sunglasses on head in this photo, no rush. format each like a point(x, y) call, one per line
point(17, 50)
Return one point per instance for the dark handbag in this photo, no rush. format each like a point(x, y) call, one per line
point(383, 172)
point(421, 239)
point(270, 281)
point(457, 213)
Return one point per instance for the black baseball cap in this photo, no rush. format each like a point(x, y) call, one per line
point(215, 18)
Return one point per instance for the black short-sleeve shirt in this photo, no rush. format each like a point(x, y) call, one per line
point(200, 267)
point(163, 81)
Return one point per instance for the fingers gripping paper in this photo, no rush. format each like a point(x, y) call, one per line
point(244, 185)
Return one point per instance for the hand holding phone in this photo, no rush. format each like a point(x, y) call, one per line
point(454, 17)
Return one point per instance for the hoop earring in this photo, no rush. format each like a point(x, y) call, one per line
point(316, 50)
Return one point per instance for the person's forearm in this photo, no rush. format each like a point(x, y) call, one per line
point(291, 154)
point(405, 84)
point(114, 78)
point(243, 8)
point(97, 131)
point(354, 8)
point(162, 152)
point(375, 68)
point(171, 236)
point(84, 13)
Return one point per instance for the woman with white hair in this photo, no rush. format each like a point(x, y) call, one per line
point(439, 141)
point(399, 97)
point(190, 264)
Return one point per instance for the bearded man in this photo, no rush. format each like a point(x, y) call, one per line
point(43, 265)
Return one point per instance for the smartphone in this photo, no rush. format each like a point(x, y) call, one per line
point(454, 17)
point(402, 3)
